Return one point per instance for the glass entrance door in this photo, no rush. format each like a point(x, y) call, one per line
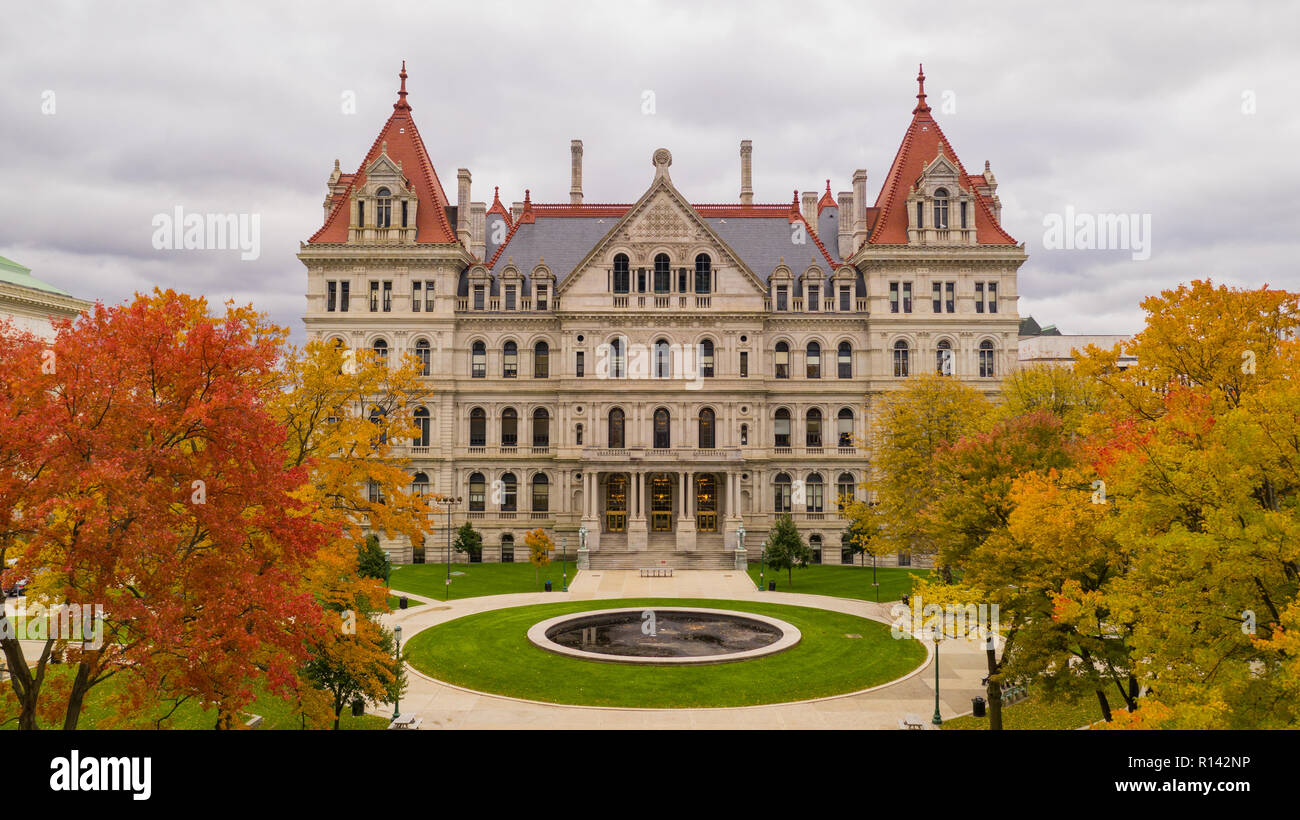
point(706, 503)
point(616, 503)
point(661, 504)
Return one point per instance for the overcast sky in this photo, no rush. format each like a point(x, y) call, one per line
point(1186, 112)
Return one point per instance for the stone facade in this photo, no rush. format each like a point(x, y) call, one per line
point(660, 373)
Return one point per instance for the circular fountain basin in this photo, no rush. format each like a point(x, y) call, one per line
point(664, 636)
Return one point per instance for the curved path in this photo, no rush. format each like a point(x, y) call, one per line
point(444, 706)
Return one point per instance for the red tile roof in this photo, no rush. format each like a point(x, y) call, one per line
point(405, 146)
point(921, 144)
point(497, 207)
point(827, 201)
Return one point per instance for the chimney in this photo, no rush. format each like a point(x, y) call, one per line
point(478, 228)
point(859, 208)
point(746, 173)
point(810, 208)
point(516, 211)
point(462, 206)
point(575, 172)
point(846, 224)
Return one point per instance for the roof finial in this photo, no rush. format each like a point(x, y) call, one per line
point(921, 106)
point(828, 186)
point(401, 104)
point(794, 205)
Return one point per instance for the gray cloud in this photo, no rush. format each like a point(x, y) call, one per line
point(236, 108)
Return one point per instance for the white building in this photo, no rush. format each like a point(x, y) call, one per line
point(31, 304)
point(660, 372)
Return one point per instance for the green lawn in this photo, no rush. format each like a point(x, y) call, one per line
point(478, 579)
point(843, 581)
point(99, 711)
point(1034, 713)
point(490, 652)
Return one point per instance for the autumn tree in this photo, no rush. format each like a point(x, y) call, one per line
point(540, 546)
point(144, 474)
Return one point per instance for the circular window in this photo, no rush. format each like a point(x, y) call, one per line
point(744, 476)
point(580, 337)
point(744, 409)
point(744, 338)
point(579, 409)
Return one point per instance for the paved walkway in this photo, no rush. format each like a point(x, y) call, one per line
point(442, 705)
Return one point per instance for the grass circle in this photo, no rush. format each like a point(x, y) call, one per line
point(490, 652)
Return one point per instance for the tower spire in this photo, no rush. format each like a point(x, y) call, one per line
point(401, 104)
point(921, 106)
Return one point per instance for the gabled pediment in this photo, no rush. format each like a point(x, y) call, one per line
point(941, 168)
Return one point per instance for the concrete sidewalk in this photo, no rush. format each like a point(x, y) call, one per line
point(445, 706)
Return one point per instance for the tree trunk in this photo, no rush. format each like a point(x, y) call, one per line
point(77, 697)
point(26, 688)
point(1105, 705)
point(994, 688)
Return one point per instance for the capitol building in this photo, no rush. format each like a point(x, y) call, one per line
point(660, 373)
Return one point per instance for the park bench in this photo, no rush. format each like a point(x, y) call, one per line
point(656, 572)
point(406, 722)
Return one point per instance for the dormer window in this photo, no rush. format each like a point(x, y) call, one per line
point(941, 208)
point(662, 273)
point(621, 274)
point(383, 208)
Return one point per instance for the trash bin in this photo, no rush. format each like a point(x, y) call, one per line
point(771, 586)
point(401, 602)
point(906, 602)
point(977, 707)
point(548, 586)
point(358, 708)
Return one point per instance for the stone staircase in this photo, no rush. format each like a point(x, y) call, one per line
point(712, 559)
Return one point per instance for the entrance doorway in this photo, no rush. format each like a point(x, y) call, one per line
point(661, 504)
point(706, 503)
point(616, 503)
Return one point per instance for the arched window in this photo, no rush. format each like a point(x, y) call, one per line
point(384, 206)
point(617, 358)
point(477, 427)
point(422, 352)
point(541, 361)
point(477, 492)
point(781, 493)
point(845, 363)
point(813, 436)
point(374, 492)
point(663, 276)
point(846, 489)
point(541, 493)
point(945, 363)
point(663, 359)
point(377, 418)
point(703, 273)
point(815, 546)
point(706, 359)
point(421, 427)
point(478, 361)
point(509, 493)
point(541, 428)
point(986, 360)
point(616, 438)
point(814, 493)
point(781, 429)
point(420, 484)
point(507, 549)
point(622, 276)
point(510, 361)
point(577, 431)
point(381, 349)
point(707, 437)
point(662, 430)
point(813, 354)
point(509, 427)
point(844, 427)
point(941, 208)
point(781, 361)
point(901, 359)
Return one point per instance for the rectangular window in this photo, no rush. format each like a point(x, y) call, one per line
point(388, 297)
point(331, 294)
point(428, 296)
point(920, 214)
point(416, 297)
point(950, 294)
point(781, 294)
point(478, 297)
point(361, 214)
point(744, 364)
point(374, 297)
point(963, 215)
point(993, 297)
point(893, 297)
point(510, 297)
point(681, 280)
point(541, 297)
point(936, 297)
point(814, 296)
point(907, 297)
point(580, 365)
point(640, 280)
point(344, 297)
point(844, 300)
point(404, 213)
point(979, 297)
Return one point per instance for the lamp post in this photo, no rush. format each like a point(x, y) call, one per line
point(388, 566)
point(449, 501)
point(938, 636)
point(564, 561)
point(762, 564)
point(874, 584)
point(397, 657)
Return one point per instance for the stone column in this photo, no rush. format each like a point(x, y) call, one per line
point(686, 522)
point(637, 533)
